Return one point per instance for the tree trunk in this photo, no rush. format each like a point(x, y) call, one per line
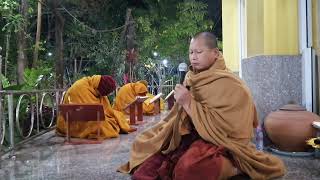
point(49, 27)
point(36, 48)
point(59, 25)
point(0, 73)
point(75, 67)
point(80, 65)
point(22, 41)
point(8, 37)
point(128, 36)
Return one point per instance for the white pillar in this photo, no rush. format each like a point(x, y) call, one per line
point(242, 35)
point(305, 43)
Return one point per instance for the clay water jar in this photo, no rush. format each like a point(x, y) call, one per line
point(290, 127)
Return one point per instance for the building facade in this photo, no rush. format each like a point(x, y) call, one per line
point(274, 45)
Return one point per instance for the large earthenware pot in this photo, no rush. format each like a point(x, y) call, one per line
point(290, 127)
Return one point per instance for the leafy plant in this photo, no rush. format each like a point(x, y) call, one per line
point(40, 78)
point(7, 6)
point(4, 81)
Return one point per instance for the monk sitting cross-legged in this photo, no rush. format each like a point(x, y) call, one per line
point(93, 90)
point(207, 134)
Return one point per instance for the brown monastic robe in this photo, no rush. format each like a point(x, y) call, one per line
point(223, 113)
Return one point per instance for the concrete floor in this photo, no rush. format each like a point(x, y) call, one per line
point(46, 157)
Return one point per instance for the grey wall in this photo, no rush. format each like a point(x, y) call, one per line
point(273, 81)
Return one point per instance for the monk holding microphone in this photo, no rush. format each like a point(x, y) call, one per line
point(207, 134)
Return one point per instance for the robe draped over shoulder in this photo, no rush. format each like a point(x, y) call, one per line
point(223, 113)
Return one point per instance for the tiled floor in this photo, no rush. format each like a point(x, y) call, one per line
point(47, 158)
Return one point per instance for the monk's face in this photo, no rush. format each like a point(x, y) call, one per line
point(201, 57)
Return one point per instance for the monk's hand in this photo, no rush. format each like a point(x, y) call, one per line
point(182, 95)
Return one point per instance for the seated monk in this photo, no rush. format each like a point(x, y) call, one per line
point(128, 93)
point(93, 90)
point(207, 134)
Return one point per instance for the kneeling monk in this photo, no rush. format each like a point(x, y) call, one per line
point(93, 90)
point(148, 108)
point(128, 93)
point(207, 134)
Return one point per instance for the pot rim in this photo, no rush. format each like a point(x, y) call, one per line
point(292, 107)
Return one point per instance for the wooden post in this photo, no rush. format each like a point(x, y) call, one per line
point(68, 128)
point(135, 109)
point(156, 107)
point(139, 111)
point(99, 126)
point(132, 111)
point(156, 103)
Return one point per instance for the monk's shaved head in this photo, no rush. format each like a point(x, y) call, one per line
point(210, 39)
point(203, 51)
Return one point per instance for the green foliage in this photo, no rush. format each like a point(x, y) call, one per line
point(170, 35)
point(14, 20)
point(4, 81)
point(190, 20)
point(8, 9)
point(35, 78)
point(147, 37)
point(164, 26)
point(7, 6)
point(108, 56)
point(38, 78)
point(13, 23)
point(41, 47)
point(101, 53)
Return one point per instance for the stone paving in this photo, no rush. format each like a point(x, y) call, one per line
point(46, 157)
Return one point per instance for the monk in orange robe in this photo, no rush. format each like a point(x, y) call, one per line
point(93, 90)
point(207, 134)
point(128, 93)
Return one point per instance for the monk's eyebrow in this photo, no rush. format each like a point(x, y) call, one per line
point(195, 49)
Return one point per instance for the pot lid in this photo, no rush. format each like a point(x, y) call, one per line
point(293, 107)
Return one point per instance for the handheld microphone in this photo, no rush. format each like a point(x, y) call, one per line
point(182, 76)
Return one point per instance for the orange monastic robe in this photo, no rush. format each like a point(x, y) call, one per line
point(127, 94)
point(85, 91)
point(148, 108)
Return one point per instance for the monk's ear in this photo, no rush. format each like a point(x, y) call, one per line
point(214, 55)
point(215, 51)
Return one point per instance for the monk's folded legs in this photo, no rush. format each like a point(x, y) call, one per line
point(148, 170)
point(200, 160)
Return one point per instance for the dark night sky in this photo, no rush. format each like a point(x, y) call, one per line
point(215, 13)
